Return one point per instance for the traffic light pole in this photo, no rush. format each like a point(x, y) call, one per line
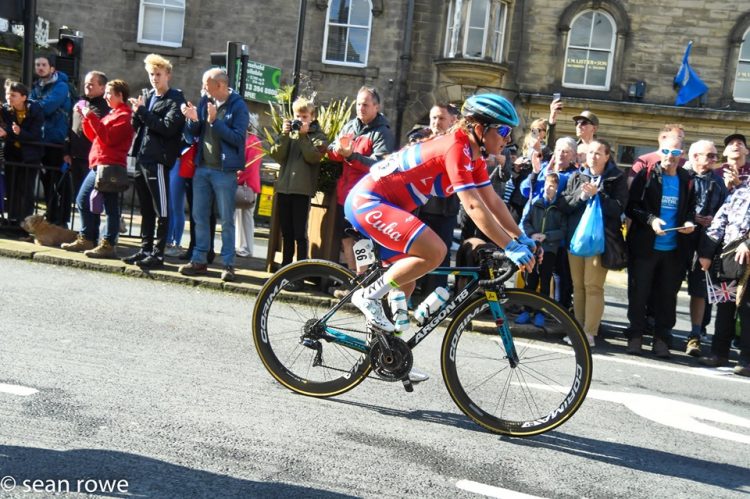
point(298, 52)
point(29, 34)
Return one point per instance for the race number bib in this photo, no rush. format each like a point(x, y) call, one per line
point(363, 252)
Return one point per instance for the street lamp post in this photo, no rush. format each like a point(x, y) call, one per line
point(298, 51)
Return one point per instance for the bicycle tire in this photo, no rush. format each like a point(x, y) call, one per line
point(546, 387)
point(279, 318)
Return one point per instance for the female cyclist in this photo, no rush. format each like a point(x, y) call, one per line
point(379, 205)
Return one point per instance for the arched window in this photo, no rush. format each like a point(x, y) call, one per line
point(347, 32)
point(476, 29)
point(742, 76)
point(588, 56)
point(161, 22)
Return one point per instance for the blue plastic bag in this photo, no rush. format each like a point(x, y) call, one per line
point(588, 238)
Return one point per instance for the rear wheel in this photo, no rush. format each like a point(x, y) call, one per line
point(289, 344)
point(547, 385)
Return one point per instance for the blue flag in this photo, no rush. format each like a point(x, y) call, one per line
point(690, 85)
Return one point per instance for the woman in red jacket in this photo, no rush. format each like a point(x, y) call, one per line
point(111, 137)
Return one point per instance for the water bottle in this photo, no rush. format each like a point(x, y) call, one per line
point(431, 304)
point(399, 310)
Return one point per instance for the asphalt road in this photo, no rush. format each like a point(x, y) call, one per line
point(108, 381)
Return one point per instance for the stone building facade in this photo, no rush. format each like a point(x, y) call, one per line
point(615, 57)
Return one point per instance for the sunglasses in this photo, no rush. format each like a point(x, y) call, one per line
point(502, 130)
point(583, 122)
point(671, 152)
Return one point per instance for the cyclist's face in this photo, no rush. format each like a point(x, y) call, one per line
point(493, 141)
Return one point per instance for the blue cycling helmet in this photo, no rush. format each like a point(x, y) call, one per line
point(490, 109)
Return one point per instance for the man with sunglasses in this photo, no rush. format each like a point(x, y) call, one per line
point(661, 206)
point(710, 192)
point(587, 124)
point(736, 170)
point(648, 160)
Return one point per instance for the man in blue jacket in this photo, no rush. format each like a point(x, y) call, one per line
point(220, 120)
point(52, 92)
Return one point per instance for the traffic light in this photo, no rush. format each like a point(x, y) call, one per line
point(234, 61)
point(69, 52)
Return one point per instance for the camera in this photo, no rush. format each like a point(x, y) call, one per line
point(296, 125)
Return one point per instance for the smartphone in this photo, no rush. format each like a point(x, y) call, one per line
point(556, 96)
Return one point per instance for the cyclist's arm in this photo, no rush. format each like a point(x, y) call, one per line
point(499, 210)
point(475, 206)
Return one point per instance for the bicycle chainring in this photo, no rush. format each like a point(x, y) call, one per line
point(393, 362)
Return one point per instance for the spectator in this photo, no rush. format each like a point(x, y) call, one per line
point(158, 123)
point(587, 125)
point(554, 109)
point(660, 199)
point(23, 121)
point(362, 142)
point(298, 149)
point(545, 223)
point(111, 136)
point(710, 192)
point(220, 121)
point(736, 170)
point(603, 178)
point(250, 177)
point(731, 222)
point(648, 160)
point(78, 146)
point(52, 92)
point(176, 211)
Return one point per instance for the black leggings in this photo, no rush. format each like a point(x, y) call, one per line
point(294, 209)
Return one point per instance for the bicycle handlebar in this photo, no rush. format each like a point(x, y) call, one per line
point(505, 266)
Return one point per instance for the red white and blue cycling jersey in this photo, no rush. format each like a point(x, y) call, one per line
point(379, 205)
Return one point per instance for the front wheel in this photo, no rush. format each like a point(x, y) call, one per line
point(294, 345)
point(547, 385)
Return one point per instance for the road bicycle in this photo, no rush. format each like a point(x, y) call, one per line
point(510, 375)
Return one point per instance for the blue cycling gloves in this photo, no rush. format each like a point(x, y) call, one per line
point(528, 242)
point(519, 253)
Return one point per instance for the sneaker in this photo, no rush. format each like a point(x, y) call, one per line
point(135, 258)
point(635, 346)
point(660, 349)
point(714, 361)
point(417, 375)
point(738, 370)
point(242, 253)
point(185, 255)
point(227, 275)
point(539, 319)
point(523, 318)
point(589, 337)
point(373, 310)
point(693, 347)
point(192, 268)
point(151, 262)
point(104, 250)
point(80, 244)
point(173, 250)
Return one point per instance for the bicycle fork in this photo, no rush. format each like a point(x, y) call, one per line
point(501, 321)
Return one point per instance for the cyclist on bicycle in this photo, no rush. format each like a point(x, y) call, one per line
point(379, 205)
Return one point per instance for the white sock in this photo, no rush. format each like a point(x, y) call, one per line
point(378, 289)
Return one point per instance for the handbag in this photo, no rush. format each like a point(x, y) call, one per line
point(187, 161)
point(588, 238)
point(111, 178)
point(244, 197)
point(724, 266)
point(615, 255)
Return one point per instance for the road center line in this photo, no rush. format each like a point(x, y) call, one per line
point(490, 491)
point(23, 391)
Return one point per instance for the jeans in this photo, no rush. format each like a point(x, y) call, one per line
point(176, 206)
point(90, 221)
point(210, 184)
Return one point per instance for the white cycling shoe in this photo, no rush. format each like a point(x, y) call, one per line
point(417, 376)
point(373, 310)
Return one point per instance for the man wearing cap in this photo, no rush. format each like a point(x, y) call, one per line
point(648, 160)
point(736, 170)
point(586, 126)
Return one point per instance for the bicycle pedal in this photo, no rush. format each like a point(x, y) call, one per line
point(408, 386)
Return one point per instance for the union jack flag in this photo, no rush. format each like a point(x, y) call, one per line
point(722, 292)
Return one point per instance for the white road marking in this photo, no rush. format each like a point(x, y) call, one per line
point(490, 491)
point(23, 391)
point(724, 374)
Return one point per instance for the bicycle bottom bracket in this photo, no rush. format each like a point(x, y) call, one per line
point(392, 362)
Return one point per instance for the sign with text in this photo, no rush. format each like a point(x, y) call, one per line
point(262, 82)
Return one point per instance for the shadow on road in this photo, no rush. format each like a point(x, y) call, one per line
point(636, 458)
point(146, 477)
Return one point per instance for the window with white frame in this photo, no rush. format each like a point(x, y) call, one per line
point(161, 22)
point(347, 32)
point(742, 76)
point(590, 50)
point(476, 29)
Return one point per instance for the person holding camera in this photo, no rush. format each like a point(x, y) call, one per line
point(298, 148)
